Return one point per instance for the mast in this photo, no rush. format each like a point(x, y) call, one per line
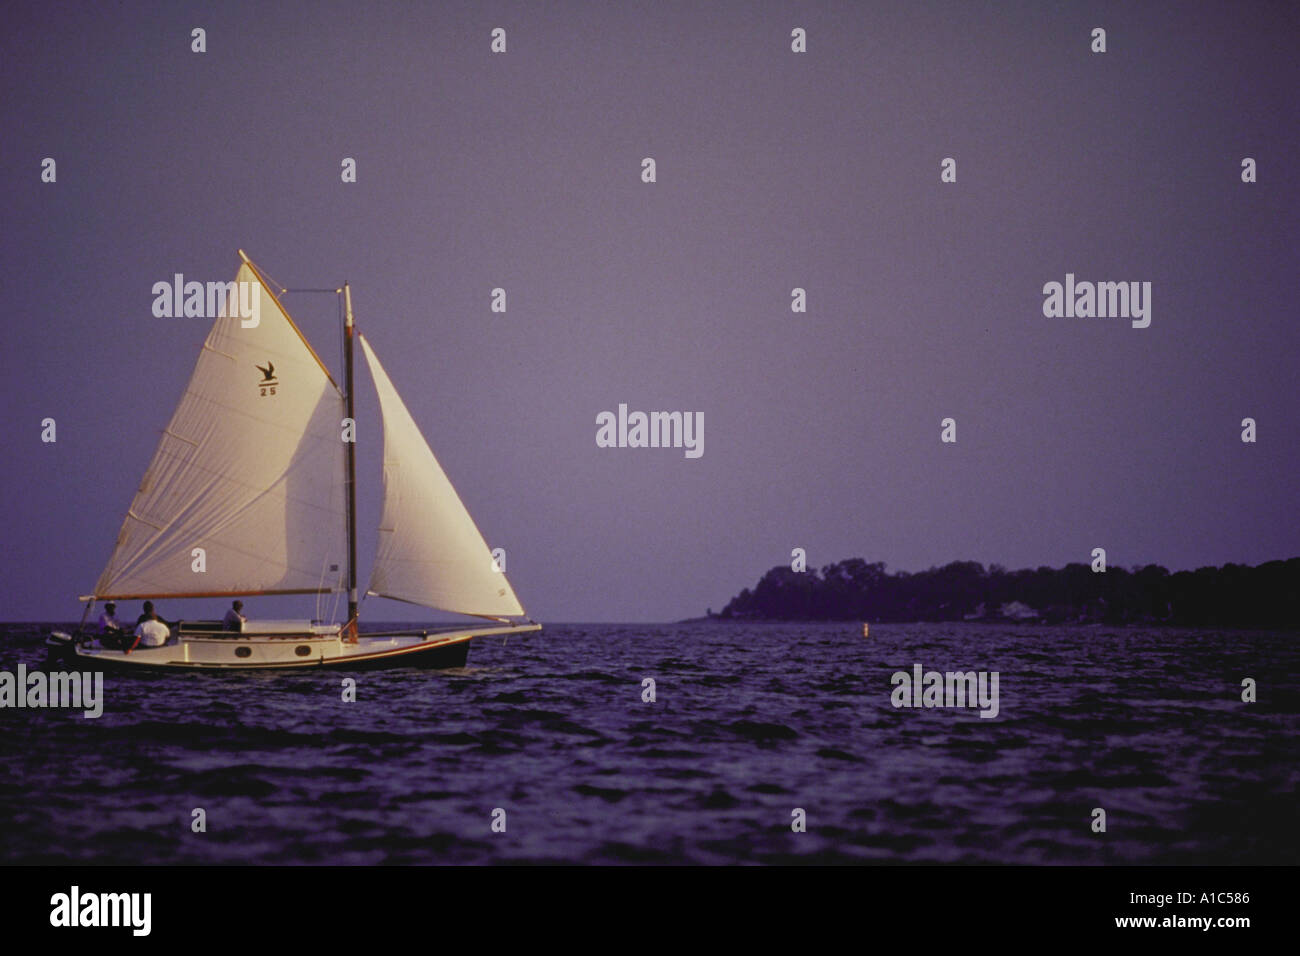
point(352, 464)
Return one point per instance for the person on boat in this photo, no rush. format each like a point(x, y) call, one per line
point(148, 612)
point(150, 632)
point(111, 632)
point(108, 619)
point(234, 618)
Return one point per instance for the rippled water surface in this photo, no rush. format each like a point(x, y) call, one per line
point(751, 721)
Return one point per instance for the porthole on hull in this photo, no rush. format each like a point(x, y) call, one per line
point(243, 651)
point(302, 650)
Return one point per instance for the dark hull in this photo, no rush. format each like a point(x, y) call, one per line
point(442, 657)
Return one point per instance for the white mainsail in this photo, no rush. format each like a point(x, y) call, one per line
point(250, 469)
point(430, 551)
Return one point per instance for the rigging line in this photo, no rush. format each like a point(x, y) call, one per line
point(276, 282)
point(284, 288)
point(334, 604)
point(265, 279)
point(342, 356)
point(336, 593)
point(324, 570)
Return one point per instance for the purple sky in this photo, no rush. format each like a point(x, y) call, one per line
point(775, 170)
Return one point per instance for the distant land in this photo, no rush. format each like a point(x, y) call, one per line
point(1234, 595)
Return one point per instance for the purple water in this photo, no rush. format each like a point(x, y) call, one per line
point(751, 721)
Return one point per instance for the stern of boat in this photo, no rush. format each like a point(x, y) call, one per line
point(60, 648)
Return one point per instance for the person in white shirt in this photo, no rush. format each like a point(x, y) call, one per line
point(234, 620)
point(151, 633)
point(147, 610)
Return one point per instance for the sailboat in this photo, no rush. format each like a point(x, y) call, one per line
point(252, 491)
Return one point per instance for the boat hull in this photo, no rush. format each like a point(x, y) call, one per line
point(243, 652)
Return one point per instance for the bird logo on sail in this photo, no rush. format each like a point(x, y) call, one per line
point(269, 381)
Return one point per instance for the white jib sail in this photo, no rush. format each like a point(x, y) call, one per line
point(430, 552)
point(250, 469)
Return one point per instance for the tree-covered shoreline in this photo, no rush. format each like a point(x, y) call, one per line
point(1234, 595)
